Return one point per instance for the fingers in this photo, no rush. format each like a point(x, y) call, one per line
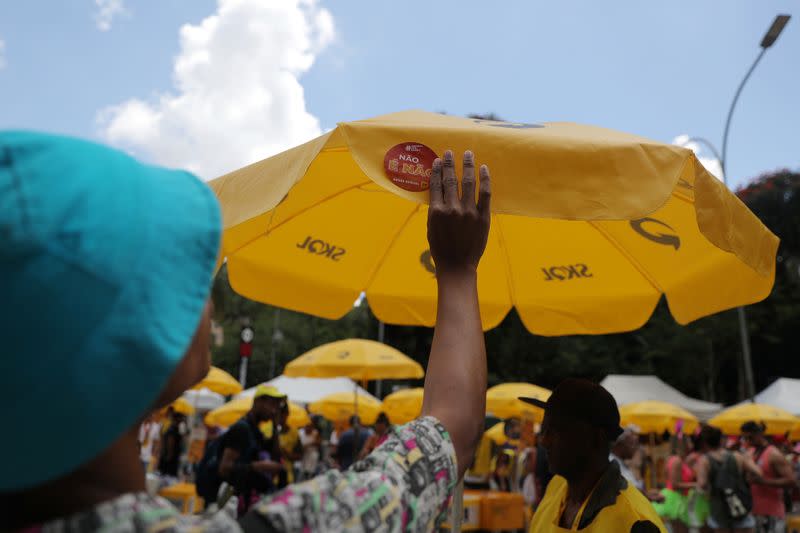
point(436, 183)
point(468, 180)
point(449, 180)
point(485, 194)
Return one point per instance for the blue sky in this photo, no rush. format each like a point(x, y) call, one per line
point(658, 69)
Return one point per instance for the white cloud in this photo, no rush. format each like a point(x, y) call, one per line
point(106, 11)
point(703, 153)
point(236, 96)
point(2, 54)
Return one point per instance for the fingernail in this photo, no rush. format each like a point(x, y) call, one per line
point(448, 156)
point(437, 162)
point(468, 155)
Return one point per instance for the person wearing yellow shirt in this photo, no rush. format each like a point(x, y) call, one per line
point(588, 492)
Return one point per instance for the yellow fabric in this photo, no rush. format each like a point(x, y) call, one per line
point(220, 382)
point(311, 228)
point(226, 415)
point(340, 406)
point(497, 435)
point(482, 465)
point(358, 359)
point(502, 401)
point(268, 390)
point(630, 507)
point(656, 417)
point(288, 440)
point(267, 429)
point(777, 420)
point(404, 405)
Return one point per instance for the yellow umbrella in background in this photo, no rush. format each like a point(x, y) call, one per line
point(794, 435)
point(590, 226)
point(232, 411)
point(502, 401)
point(339, 406)
point(404, 405)
point(497, 434)
point(357, 359)
point(220, 382)
point(657, 417)
point(777, 420)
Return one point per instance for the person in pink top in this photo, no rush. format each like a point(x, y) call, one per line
point(680, 478)
point(768, 493)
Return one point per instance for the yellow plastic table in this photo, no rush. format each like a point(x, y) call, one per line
point(185, 497)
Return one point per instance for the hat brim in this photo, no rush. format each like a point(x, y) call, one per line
point(542, 404)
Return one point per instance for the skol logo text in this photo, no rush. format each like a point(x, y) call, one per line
point(566, 272)
point(320, 247)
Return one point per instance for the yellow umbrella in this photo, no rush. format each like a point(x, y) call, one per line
point(777, 420)
point(339, 406)
point(657, 417)
point(502, 401)
point(794, 435)
point(590, 226)
point(404, 405)
point(232, 411)
point(357, 359)
point(497, 434)
point(220, 382)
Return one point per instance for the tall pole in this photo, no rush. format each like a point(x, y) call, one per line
point(769, 39)
point(381, 335)
point(276, 337)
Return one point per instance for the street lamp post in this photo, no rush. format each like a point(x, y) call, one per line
point(769, 39)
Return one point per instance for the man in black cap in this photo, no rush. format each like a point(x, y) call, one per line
point(588, 493)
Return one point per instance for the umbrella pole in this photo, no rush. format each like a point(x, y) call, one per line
point(356, 428)
point(457, 512)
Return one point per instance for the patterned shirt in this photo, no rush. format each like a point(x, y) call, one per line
point(404, 485)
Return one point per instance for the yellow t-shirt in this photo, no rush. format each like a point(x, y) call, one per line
point(630, 512)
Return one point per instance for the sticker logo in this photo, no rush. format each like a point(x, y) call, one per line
point(656, 236)
point(409, 166)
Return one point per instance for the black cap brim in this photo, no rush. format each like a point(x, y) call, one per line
point(533, 401)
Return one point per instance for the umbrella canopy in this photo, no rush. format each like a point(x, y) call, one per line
point(308, 390)
point(497, 434)
point(340, 406)
point(404, 405)
point(657, 417)
point(776, 419)
point(502, 401)
point(590, 226)
point(220, 382)
point(204, 399)
point(358, 359)
point(232, 411)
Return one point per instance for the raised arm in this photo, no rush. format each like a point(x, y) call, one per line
point(458, 228)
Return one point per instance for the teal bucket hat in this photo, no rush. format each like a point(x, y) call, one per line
point(105, 267)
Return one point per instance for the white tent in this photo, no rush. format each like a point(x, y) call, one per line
point(308, 390)
point(204, 399)
point(629, 389)
point(783, 393)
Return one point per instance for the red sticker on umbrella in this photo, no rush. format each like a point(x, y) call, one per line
point(409, 166)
